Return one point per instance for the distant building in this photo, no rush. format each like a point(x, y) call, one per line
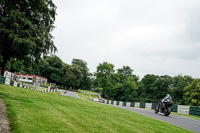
point(25, 77)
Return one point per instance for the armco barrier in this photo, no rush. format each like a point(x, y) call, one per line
point(174, 108)
point(148, 105)
point(2, 79)
point(128, 104)
point(137, 104)
point(124, 104)
point(154, 106)
point(12, 83)
point(132, 104)
point(194, 110)
point(15, 84)
point(105, 101)
point(142, 105)
point(7, 81)
point(182, 109)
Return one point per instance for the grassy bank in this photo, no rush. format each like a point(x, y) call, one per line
point(87, 96)
point(38, 112)
point(91, 92)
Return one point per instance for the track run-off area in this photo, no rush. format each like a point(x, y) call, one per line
point(184, 122)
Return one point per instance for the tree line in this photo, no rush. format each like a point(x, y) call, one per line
point(26, 40)
point(115, 84)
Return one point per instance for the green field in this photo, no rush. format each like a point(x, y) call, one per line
point(87, 96)
point(91, 92)
point(38, 112)
point(31, 86)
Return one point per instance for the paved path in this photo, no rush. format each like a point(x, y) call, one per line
point(184, 122)
point(69, 93)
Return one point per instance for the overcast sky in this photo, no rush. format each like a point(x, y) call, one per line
point(151, 36)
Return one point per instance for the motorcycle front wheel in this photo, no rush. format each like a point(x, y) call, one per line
point(156, 110)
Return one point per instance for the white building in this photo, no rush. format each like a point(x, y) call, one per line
point(25, 77)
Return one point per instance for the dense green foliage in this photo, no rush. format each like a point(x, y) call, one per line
point(120, 84)
point(192, 93)
point(25, 28)
point(85, 81)
point(178, 84)
point(67, 76)
point(38, 112)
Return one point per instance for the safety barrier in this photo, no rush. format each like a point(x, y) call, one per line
point(194, 110)
point(182, 109)
point(8, 81)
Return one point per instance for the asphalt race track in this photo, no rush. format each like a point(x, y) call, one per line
point(184, 122)
point(69, 93)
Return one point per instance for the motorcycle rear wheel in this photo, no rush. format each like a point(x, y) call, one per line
point(167, 111)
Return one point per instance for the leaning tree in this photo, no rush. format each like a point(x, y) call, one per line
point(25, 27)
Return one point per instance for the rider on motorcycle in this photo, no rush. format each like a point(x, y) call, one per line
point(164, 105)
point(164, 99)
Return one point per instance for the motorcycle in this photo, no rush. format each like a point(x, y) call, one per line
point(165, 106)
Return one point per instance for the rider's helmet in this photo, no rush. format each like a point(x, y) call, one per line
point(167, 95)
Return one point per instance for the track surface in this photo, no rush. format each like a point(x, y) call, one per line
point(184, 122)
point(69, 93)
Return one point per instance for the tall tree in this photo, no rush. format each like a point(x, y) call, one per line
point(25, 28)
point(52, 68)
point(85, 82)
point(147, 88)
point(19, 66)
point(78, 76)
point(178, 84)
point(128, 88)
point(125, 72)
point(68, 79)
point(104, 73)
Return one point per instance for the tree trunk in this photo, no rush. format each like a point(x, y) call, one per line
point(3, 66)
point(1, 55)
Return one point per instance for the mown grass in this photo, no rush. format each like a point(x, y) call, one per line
point(91, 92)
point(47, 85)
point(87, 96)
point(189, 116)
point(32, 86)
point(38, 112)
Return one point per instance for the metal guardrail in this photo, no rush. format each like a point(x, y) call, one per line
point(182, 109)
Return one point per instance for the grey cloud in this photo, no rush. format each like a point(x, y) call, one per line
point(131, 32)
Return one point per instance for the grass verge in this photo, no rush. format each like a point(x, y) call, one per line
point(91, 92)
point(87, 96)
point(189, 116)
point(37, 112)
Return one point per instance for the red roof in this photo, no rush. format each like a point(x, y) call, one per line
point(26, 75)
